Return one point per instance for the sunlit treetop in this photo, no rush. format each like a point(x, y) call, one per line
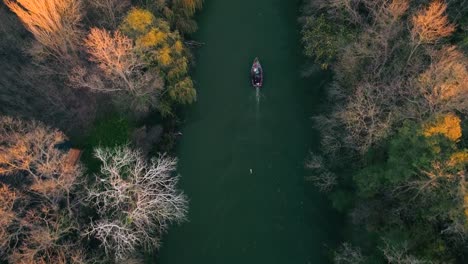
point(178, 46)
point(458, 159)
point(431, 24)
point(153, 38)
point(448, 126)
point(138, 21)
point(164, 56)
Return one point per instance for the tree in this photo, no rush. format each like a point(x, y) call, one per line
point(45, 237)
point(431, 24)
point(443, 85)
point(321, 40)
point(398, 254)
point(348, 255)
point(366, 116)
point(36, 211)
point(54, 24)
point(323, 179)
point(447, 125)
point(189, 6)
point(135, 200)
point(31, 149)
point(122, 72)
point(164, 51)
point(109, 12)
point(115, 56)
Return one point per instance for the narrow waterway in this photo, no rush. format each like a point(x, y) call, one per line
point(241, 161)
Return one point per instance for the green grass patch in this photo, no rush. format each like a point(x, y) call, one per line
point(110, 131)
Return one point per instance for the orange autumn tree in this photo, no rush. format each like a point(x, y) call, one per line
point(54, 24)
point(30, 149)
point(444, 85)
point(447, 125)
point(115, 56)
point(431, 24)
point(119, 71)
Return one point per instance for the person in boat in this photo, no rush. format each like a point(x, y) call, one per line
point(257, 76)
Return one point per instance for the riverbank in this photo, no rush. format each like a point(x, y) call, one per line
point(396, 126)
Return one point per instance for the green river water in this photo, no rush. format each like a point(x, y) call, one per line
point(270, 215)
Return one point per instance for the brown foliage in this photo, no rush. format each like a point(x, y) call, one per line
point(398, 8)
point(30, 148)
point(36, 216)
point(54, 24)
point(431, 24)
point(8, 198)
point(43, 238)
point(444, 85)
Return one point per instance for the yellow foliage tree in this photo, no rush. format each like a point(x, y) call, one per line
point(448, 126)
point(164, 56)
point(153, 38)
point(163, 49)
point(458, 159)
point(138, 21)
point(431, 24)
point(178, 46)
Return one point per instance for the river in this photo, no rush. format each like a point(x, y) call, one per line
point(241, 160)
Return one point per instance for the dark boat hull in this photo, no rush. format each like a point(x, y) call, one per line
point(256, 74)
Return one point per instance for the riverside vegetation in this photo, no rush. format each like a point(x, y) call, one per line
point(394, 136)
point(111, 74)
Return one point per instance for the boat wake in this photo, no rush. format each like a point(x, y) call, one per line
point(257, 95)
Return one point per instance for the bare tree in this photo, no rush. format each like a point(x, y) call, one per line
point(121, 70)
point(431, 24)
point(37, 216)
point(8, 198)
point(115, 55)
point(314, 162)
point(399, 255)
point(54, 24)
point(348, 255)
point(44, 232)
point(443, 85)
point(365, 116)
point(30, 149)
point(324, 180)
point(109, 11)
point(135, 200)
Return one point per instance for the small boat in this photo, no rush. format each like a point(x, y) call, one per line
point(256, 74)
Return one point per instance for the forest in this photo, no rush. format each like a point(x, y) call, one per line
point(394, 145)
point(90, 92)
point(92, 101)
